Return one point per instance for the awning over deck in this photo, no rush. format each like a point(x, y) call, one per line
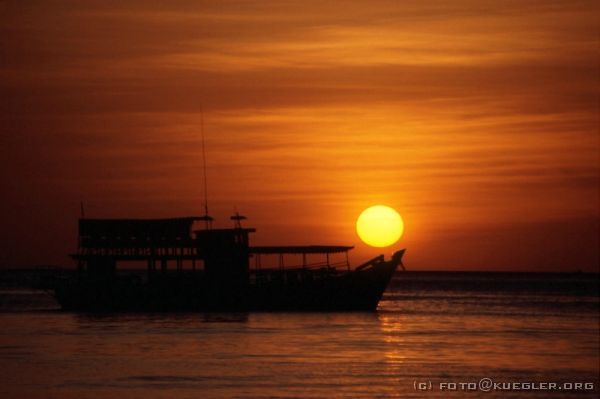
point(300, 249)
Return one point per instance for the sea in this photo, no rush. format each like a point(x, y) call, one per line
point(463, 335)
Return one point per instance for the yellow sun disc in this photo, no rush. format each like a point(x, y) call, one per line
point(379, 226)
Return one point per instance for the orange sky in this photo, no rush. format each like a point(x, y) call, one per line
point(477, 121)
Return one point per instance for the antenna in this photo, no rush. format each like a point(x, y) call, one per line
point(207, 218)
point(237, 219)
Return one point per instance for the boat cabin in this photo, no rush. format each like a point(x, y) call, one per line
point(223, 254)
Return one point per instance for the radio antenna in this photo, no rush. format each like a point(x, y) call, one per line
point(206, 217)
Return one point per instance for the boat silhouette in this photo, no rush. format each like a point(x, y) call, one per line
point(215, 270)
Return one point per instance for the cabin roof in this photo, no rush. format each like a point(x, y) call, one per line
point(171, 227)
point(300, 249)
point(224, 231)
point(136, 220)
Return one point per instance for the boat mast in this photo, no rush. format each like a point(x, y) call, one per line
point(206, 217)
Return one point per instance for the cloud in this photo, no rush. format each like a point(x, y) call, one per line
point(462, 114)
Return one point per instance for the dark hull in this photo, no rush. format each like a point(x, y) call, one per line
point(323, 290)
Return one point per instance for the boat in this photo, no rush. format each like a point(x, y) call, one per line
point(212, 270)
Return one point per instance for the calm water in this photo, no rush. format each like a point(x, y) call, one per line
point(430, 328)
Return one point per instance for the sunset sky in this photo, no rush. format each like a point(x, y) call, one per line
point(477, 120)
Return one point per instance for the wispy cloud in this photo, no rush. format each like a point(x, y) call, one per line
point(465, 115)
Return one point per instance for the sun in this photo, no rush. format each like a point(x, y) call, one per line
point(379, 226)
